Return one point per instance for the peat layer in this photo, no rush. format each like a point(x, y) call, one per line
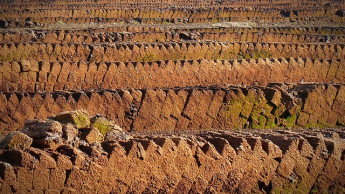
point(172, 96)
point(73, 156)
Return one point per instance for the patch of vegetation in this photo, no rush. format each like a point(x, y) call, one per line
point(260, 54)
point(260, 123)
point(291, 121)
point(315, 190)
point(271, 123)
point(103, 125)
point(174, 56)
point(148, 57)
point(243, 55)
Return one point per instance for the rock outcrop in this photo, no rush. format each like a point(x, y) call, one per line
point(72, 128)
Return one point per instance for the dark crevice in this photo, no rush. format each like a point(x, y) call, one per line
point(282, 142)
point(190, 92)
point(285, 114)
point(143, 95)
point(35, 155)
point(86, 149)
point(144, 143)
point(235, 142)
point(53, 155)
point(279, 159)
point(68, 173)
point(134, 110)
point(313, 141)
point(55, 96)
point(91, 53)
point(108, 146)
point(127, 146)
point(19, 96)
point(329, 146)
point(159, 141)
point(340, 13)
point(2, 121)
point(176, 141)
point(13, 189)
point(300, 144)
point(76, 96)
point(218, 143)
point(68, 151)
point(197, 160)
point(252, 142)
point(12, 157)
point(2, 171)
point(265, 146)
point(265, 188)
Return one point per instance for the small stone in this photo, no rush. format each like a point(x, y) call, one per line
point(69, 132)
point(114, 135)
point(39, 129)
point(141, 152)
point(92, 135)
point(117, 128)
point(16, 140)
point(80, 118)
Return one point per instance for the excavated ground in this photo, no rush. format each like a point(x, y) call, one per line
point(202, 108)
point(262, 161)
point(210, 97)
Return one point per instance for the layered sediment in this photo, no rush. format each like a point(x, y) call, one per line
point(172, 96)
point(203, 108)
point(217, 161)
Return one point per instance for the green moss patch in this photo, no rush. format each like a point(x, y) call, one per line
point(102, 124)
point(79, 118)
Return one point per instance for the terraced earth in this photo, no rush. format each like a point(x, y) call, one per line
point(172, 96)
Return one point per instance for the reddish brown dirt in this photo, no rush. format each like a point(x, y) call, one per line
point(259, 162)
point(269, 75)
point(279, 105)
point(49, 77)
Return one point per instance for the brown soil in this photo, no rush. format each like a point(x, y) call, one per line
point(219, 161)
point(215, 96)
point(230, 107)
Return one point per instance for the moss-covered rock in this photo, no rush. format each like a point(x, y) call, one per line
point(231, 110)
point(16, 140)
point(279, 110)
point(103, 125)
point(79, 118)
point(271, 122)
point(259, 123)
point(247, 109)
point(291, 121)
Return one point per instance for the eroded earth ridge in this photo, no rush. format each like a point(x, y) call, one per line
point(172, 96)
